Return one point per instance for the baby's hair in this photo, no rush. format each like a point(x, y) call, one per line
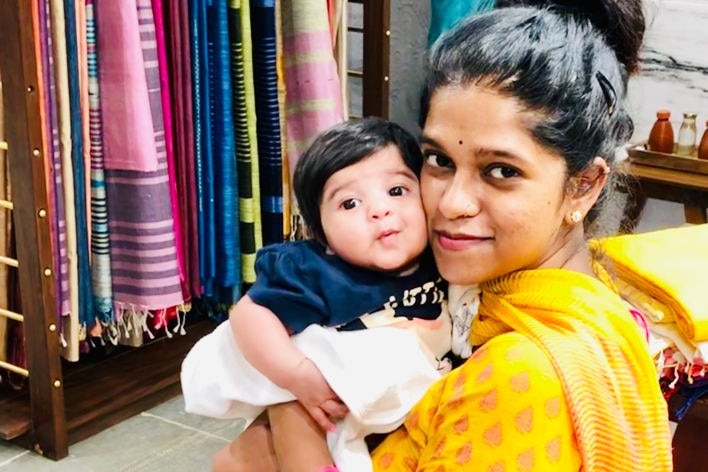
point(341, 146)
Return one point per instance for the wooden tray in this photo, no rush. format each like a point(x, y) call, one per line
point(668, 161)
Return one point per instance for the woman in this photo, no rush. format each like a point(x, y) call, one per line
point(523, 111)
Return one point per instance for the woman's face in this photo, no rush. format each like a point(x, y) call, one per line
point(495, 199)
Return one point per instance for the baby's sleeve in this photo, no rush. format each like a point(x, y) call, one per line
point(286, 286)
point(503, 409)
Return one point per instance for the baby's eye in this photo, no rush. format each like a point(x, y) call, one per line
point(350, 204)
point(502, 172)
point(436, 160)
point(397, 191)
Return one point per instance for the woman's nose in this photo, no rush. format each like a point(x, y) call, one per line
point(459, 200)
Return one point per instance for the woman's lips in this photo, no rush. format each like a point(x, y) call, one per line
point(458, 242)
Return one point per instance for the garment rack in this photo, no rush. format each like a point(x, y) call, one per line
point(68, 402)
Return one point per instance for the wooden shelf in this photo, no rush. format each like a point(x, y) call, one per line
point(103, 393)
point(668, 161)
point(14, 415)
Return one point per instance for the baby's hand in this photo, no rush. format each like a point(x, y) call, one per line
point(312, 390)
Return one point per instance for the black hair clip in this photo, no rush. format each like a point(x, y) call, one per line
point(608, 91)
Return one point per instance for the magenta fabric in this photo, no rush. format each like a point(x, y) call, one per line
point(178, 50)
point(158, 15)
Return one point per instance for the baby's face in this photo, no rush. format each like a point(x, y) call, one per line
point(372, 213)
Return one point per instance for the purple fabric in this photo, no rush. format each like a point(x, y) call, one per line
point(57, 187)
point(143, 252)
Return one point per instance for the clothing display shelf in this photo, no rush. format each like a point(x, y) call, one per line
point(67, 402)
point(61, 406)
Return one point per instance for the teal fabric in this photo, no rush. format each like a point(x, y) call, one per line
point(444, 14)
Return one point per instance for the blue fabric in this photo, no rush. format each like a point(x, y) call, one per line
point(303, 285)
point(685, 399)
point(86, 315)
point(202, 143)
point(270, 159)
point(226, 228)
point(444, 14)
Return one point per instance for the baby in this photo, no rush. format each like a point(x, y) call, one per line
point(305, 329)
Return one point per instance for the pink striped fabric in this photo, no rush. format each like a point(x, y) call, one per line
point(313, 99)
point(128, 139)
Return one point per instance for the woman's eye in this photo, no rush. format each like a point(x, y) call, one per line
point(397, 191)
point(350, 203)
point(436, 160)
point(503, 172)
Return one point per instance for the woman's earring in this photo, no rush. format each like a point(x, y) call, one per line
point(575, 216)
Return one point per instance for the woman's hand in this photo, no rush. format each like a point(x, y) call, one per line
point(314, 393)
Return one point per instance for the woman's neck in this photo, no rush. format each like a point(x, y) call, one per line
point(573, 255)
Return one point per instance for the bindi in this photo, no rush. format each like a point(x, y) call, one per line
point(460, 142)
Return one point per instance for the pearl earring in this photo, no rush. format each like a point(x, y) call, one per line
point(575, 216)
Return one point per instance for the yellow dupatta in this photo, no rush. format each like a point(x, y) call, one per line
point(610, 383)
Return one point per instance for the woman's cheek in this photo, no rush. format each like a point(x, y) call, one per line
point(431, 190)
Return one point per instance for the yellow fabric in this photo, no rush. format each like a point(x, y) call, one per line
point(671, 266)
point(618, 417)
point(650, 307)
point(503, 409)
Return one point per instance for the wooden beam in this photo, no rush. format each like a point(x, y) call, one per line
point(377, 35)
point(26, 156)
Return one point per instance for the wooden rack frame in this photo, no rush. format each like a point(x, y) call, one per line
point(66, 403)
point(376, 33)
point(26, 155)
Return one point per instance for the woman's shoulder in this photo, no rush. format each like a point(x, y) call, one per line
point(514, 354)
point(510, 401)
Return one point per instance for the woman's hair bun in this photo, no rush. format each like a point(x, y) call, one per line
point(621, 22)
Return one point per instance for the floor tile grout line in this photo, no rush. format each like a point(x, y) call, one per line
point(184, 426)
point(13, 459)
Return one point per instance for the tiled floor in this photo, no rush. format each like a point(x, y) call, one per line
point(164, 438)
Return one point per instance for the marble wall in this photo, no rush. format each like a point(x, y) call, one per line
point(674, 75)
point(674, 64)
